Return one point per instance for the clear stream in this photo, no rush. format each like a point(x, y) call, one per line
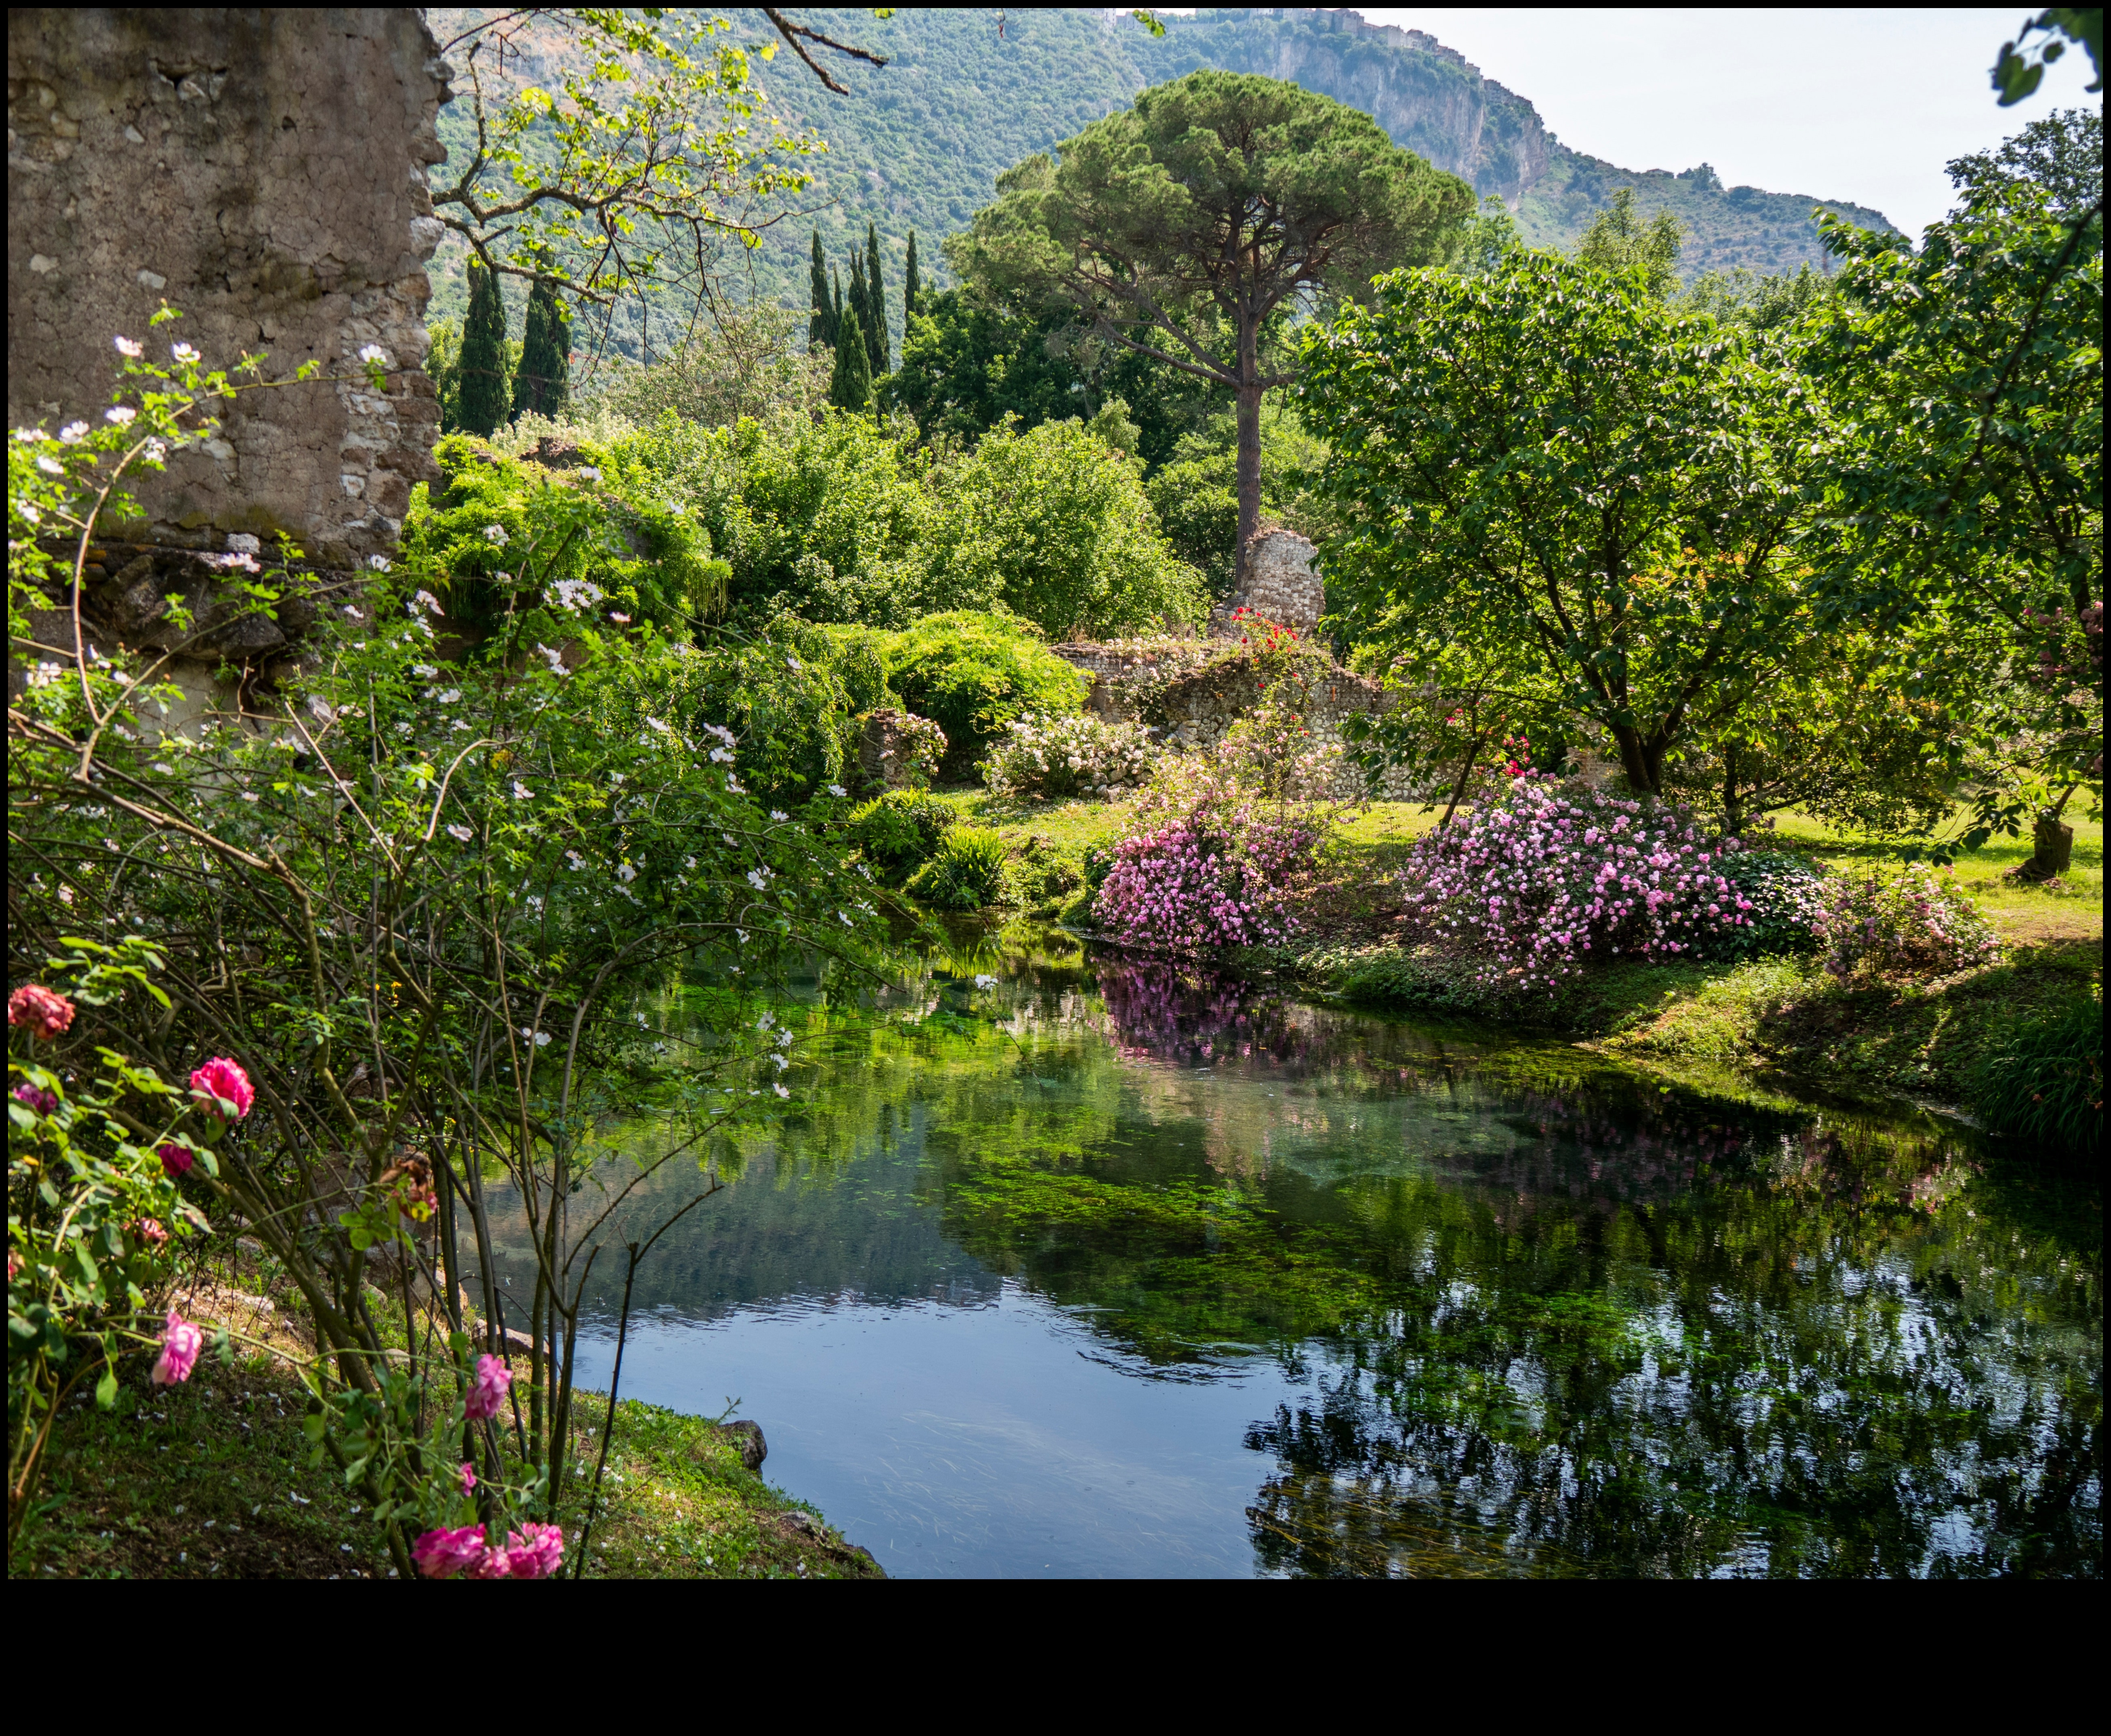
point(1117, 1269)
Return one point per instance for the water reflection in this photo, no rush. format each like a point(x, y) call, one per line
point(1517, 1311)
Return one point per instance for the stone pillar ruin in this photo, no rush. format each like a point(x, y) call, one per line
point(1281, 586)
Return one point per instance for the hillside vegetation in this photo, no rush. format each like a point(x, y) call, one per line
point(919, 145)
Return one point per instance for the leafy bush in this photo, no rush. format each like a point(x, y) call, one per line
point(1547, 872)
point(2046, 1083)
point(1209, 865)
point(860, 657)
point(967, 873)
point(1053, 525)
point(1917, 923)
point(899, 832)
point(972, 674)
point(1783, 893)
point(1049, 757)
point(596, 543)
point(780, 701)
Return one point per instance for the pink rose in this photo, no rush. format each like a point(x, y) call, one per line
point(491, 1564)
point(488, 1391)
point(175, 1159)
point(45, 1013)
point(441, 1555)
point(36, 1102)
point(149, 1229)
point(220, 1084)
point(468, 1478)
point(536, 1551)
point(181, 1343)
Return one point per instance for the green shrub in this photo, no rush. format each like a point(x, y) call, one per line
point(972, 674)
point(1054, 524)
point(779, 697)
point(899, 832)
point(2046, 1082)
point(859, 655)
point(600, 541)
point(967, 873)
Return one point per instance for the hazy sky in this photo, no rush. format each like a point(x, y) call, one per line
point(1864, 106)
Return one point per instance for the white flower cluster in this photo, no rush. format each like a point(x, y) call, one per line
point(1048, 757)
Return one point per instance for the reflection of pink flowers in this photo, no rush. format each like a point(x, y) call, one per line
point(220, 1082)
point(441, 1555)
point(181, 1343)
point(176, 1159)
point(488, 1391)
point(536, 1551)
point(37, 1102)
point(45, 1013)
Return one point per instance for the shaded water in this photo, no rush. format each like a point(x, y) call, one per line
point(1123, 1271)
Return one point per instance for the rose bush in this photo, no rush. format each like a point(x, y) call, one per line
point(1918, 922)
point(1209, 865)
point(1048, 758)
point(1547, 874)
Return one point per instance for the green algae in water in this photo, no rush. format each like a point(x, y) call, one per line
point(1547, 1315)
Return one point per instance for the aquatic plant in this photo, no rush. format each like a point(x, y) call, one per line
point(966, 873)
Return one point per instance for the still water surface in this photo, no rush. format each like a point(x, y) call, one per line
point(1113, 1270)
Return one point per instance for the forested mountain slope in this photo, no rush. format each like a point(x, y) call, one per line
point(919, 145)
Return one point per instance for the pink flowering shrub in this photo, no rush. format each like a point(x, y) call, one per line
point(219, 1085)
point(1210, 865)
point(46, 1014)
point(1918, 923)
point(1547, 874)
point(487, 1392)
point(181, 1343)
point(442, 1553)
point(535, 1552)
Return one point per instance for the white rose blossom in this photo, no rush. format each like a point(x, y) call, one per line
point(130, 347)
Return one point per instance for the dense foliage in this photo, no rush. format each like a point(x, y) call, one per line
point(973, 674)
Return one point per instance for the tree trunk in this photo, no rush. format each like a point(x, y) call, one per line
point(1249, 404)
point(2053, 853)
point(1733, 814)
point(1642, 766)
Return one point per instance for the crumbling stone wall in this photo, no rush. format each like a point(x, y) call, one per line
point(1281, 586)
point(1191, 694)
point(263, 170)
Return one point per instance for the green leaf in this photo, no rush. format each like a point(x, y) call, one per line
point(105, 1390)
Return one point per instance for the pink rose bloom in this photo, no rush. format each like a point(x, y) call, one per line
point(175, 1159)
point(491, 1564)
point(536, 1551)
point(220, 1082)
point(36, 1102)
point(149, 1229)
point(493, 1378)
point(468, 1478)
point(181, 1343)
point(45, 1013)
point(441, 1555)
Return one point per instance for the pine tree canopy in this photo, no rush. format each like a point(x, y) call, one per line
point(484, 399)
point(543, 381)
point(850, 388)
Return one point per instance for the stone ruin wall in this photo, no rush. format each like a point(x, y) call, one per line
point(1195, 692)
point(264, 172)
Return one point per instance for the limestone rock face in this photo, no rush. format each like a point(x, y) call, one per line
point(263, 171)
point(1281, 586)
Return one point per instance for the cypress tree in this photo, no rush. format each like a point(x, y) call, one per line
point(821, 326)
point(860, 301)
point(835, 313)
point(544, 381)
point(851, 387)
point(482, 401)
point(912, 286)
point(875, 297)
